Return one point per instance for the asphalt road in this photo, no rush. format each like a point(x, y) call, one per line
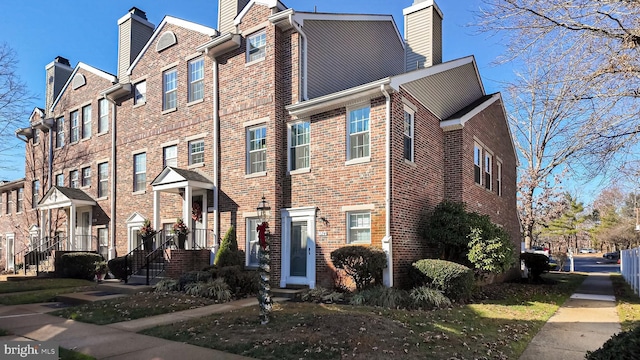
point(593, 263)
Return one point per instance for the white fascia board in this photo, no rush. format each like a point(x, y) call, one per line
point(422, 5)
point(398, 80)
point(36, 111)
point(466, 117)
point(268, 3)
point(88, 68)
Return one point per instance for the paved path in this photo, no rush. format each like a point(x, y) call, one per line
point(583, 323)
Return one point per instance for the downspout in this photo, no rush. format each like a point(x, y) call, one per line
point(303, 62)
point(112, 251)
point(387, 276)
point(48, 222)
point(216, 162)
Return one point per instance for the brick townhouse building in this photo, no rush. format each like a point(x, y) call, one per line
point(349, 130)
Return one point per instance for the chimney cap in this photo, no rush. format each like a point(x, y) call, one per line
point(135, 11)
point(62, 60)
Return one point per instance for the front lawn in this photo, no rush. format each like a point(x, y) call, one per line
point(39, 290)
point(628, 303)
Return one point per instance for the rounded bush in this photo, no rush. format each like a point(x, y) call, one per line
point(117, 267)
point(537, 264)
point(622, 346)
point(364, 264)
point(455, 281)
point(79, 265)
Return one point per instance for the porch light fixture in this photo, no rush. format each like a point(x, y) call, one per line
point(264, 210)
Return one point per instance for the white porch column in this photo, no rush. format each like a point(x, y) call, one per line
point(156, 209)
point(72, 225)
point(186, 212)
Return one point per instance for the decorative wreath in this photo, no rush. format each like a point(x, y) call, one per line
point(196, 211)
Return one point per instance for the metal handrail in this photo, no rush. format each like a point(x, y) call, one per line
point(141, 258)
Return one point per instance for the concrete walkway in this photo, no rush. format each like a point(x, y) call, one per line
point(583, 323)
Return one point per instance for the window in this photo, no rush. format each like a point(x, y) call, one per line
point(252, 242)
point(299, 145)
point(358, 140)
point(60, 180)
point(20, 200)
point(1, 197)
point(9, 202)
point(36, 136)
point(103, 176)
point(196, 152)
point(140, 93)
point(256, 45)
point(59, 132)
point(196, 80)
point(35, 193)
point(359, 227)
point(73, 179)
point(170, 154)
point(477, 163)
point(488, 166)
point(86, 122)
point(408, 135)
point(86, 176)
point(139, 171)
point(74, 127)
point(256, 150)
point(499, 178)
point(103, 242)
point(170, 89)
point(103, 116)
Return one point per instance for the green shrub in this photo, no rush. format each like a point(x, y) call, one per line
point(364, 264)
point(621, 346)
point(446, 230)
point(490, 248)
point(537, 264)
point(424, 297)
point(79, 265)
point(454, 280)
point(117, 267)
point(192, 277)
point(390, 298)
point(165, 285)
point(322, 295)
point(214, 289)
point(228, 253)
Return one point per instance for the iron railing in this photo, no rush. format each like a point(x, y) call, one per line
point(150, 259)
point(41, 254)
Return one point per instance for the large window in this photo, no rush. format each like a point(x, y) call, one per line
point(103, 177)
point(477, 164)
point(20, 200)
point(60, 180)
point(86, 122)
point(408, 135)
point(35, 193)
point(103, 116)
point(196, 152)
point(196, 79)
point(170, 89)
point(170, 155)
point(75, 127)
point(139, 171)
point(140, 93)
point(299, 145)
point(358, 138)
point(256, 150)
point(488, 167)
point(59, 132)
point(256, 45)
point(359, 227)
point(73, 179)
point(252, 243)
point(86, 176)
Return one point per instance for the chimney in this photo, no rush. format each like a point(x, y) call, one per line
point(422, 34)
point(58, 72)
point(227, 11)
point(134, 30)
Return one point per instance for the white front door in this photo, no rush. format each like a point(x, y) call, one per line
point(10, 251)
point(298, 262)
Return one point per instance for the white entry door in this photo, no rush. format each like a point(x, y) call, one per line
point(298, 262)
point(10, 251)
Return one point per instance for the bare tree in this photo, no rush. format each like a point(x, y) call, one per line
point(15, 100)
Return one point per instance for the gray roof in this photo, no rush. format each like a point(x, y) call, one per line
point(72, 194)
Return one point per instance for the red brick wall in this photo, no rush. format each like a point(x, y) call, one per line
point(177, 262)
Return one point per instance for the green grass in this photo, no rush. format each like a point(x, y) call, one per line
point(66, 354)
point(628, 303)
point(40, 284)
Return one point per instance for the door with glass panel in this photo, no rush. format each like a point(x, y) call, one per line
point(298, 247)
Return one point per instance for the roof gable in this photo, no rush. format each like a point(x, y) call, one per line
point(268, 3)
point(60, 197)
point(82, 66)
point(174, 178)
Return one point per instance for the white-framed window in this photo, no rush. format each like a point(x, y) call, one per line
point(196, 79)
point(20, 200)
point(139, 171)
point(170, 89)
point(256, 149)
point(170, 155)
point(477, 164)
point(256, 46)
point(86, 176)
point(73, 179)
point(103, 179)
point(252, 243)
point(75, 127)
point(488, 170)
point(103, 242)
point(299, 140)
point(86, 122)
point(59, 132)
point(103, 116)
point(60, 180)
point(359, 227)
point(409, 130)
point(35, 193)
point(140, 93)
point(196, 152)
point(358, 133)
point(499, 178)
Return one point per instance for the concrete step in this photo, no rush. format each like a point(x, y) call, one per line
point(287, 293)
point(87, 297)
point(117, 286)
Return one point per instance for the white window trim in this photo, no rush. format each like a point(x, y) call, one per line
point(164, 154)
point(247, 55)
point(191, 164)
point(248, 230)
point(133, 163)
point(108, 105)
point(412, 113)
point(190, 81)
point(289, 160)
point(82, 137)
point(499, 177)
point(165, 92)
point(362, 159)
point(248, 152)
point(137, 103)
point(487, 155)
point(348, 227)
point(77, 112)
point(98, 179)
point(477, 146)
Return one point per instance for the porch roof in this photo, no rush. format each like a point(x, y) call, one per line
point(61, 197)
point(172, 179)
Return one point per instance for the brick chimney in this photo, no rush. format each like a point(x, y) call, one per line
point(422, 34)
point(58, 72)
point(134, 30)
point(227, 11)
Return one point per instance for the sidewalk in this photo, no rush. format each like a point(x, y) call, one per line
point(583, 323)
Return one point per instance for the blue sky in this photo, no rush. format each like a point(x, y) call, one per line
point(86, 31)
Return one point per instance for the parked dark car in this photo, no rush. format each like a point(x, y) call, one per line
point(612, 255)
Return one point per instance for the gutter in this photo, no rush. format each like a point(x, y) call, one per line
point(387, 276)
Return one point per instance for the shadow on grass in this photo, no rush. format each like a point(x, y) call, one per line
point(628, 303)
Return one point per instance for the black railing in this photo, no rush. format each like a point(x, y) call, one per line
point(40, 255)
point(150, 259)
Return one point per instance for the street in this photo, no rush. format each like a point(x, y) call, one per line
point(592, 263)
